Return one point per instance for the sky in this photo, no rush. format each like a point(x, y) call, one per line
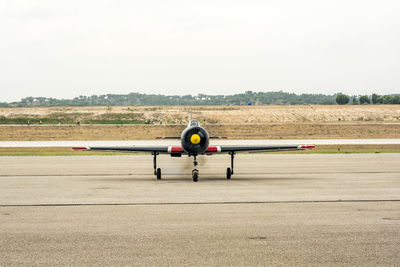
point(69, 48)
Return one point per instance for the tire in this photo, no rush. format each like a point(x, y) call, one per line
point(228, 173)
point(158, 173)
point(195, 175)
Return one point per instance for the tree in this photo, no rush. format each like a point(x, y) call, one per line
point(364, 99)
point(388, 99)
point(374, 99)
point(342, 99)
point(355, 101)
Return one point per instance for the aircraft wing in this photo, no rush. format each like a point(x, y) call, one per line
point(210, 149)
point(158, 149)
point(234, 149)
point(179, 138)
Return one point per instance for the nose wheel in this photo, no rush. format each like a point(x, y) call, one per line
point(195, 175)
point(195, 172)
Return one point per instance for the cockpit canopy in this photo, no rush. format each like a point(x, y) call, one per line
point(194, 123)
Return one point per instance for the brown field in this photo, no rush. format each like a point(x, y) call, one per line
point(244, 131)
point(226, 114)
point(236, 122)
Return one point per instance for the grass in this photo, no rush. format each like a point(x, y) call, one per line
point(348, 149)
point(51, 151)
point(323, 149)
point(114, 122)
point(65, 120)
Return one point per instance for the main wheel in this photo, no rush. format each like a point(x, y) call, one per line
point(228, 173)
point(195, 175)
point(158, 173)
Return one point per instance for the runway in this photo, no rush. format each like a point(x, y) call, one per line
point(305, 209)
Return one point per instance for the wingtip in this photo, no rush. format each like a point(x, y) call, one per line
point(81, 148)
point(306, 147)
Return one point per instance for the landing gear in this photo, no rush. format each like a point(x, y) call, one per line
point(195, 172)
point(195, 175)
point(229, 171)
point(158, 174)
point(157, 171)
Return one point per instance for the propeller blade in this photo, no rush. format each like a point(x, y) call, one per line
point(200, 133)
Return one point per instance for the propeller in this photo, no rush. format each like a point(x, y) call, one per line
point(195, 140)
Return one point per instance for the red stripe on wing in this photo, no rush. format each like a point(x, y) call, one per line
point(176, 149)
point(309, 146)
point(213, 149)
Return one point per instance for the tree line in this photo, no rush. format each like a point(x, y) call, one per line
point(247, 98)
point(343, 99)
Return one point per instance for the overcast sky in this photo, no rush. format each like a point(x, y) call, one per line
point(69, 48)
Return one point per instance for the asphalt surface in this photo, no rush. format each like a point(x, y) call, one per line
point(298, 209)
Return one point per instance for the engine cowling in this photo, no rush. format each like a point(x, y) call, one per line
point(195, 140)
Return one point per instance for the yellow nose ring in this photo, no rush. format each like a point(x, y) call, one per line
point(195, 139)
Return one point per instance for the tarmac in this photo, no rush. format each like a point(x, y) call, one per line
point(294, 209)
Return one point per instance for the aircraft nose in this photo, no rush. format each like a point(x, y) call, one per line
point(195, 139)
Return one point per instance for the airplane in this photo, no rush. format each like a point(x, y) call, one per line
point(194, 142)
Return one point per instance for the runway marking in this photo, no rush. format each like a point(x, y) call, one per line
point(200, 203)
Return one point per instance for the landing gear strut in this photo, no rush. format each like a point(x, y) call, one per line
point(195, 172)
point(157, 171)
point(229, 171)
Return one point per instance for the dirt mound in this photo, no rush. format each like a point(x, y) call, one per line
point(218, 114)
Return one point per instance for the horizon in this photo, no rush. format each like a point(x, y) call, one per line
point(388, 92)
point(195, 95)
